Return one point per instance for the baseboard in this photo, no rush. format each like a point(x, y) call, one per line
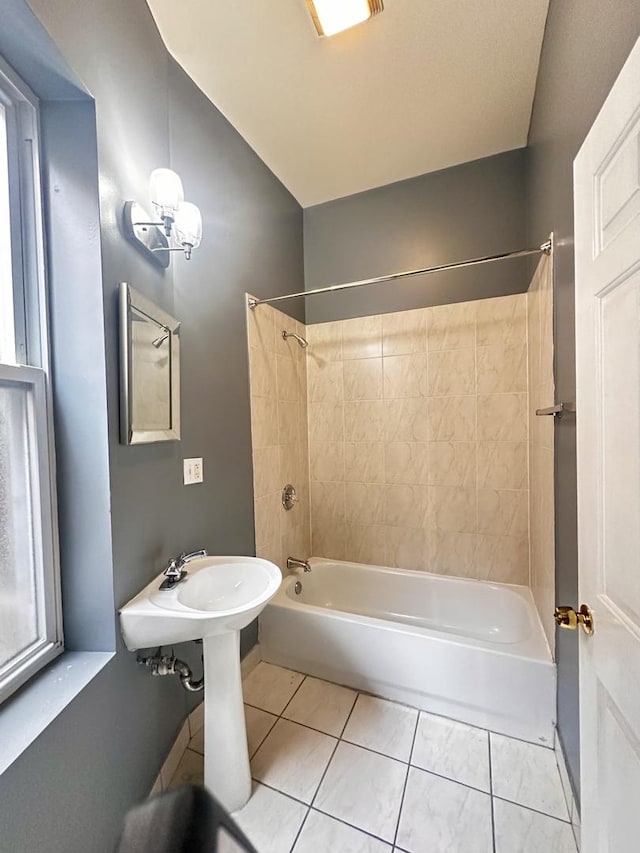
point(572, 805)
point(191, 726)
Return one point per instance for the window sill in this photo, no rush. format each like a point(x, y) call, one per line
point(24, 717)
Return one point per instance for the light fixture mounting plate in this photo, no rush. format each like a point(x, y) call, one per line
point(150, 238)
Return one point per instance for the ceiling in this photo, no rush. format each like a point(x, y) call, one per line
point(425, 85)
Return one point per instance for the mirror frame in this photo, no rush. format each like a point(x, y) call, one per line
point(130, 298)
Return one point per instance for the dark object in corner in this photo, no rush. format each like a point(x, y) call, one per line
point(187, 820)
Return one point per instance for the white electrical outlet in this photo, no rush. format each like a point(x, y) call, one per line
point(193, 472)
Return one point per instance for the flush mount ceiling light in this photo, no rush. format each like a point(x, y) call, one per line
point(334, 16)
point(178, 219)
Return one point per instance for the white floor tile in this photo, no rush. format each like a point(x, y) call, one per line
point(197, 742)
point(270, 687)
point(293, 759)
point(321, 705)
point(527, 774)
point(381, 725)
point(323, 834)
point(363, 789)
point(176, 753)
point(519, 829)
point(439, 815)
point(190, 770)
point(270, 820)
point(259, 724)
point(196, 719)
point(452, 749)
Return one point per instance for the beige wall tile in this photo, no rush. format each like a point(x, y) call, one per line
point(451, 372)
point(503, 512)
point(325, 341)
point(326, 461)
point(452, 463)
point(502, 320)
point(406, 420)
point(366, 544)
point(452, 553)
point(451, 326)
point(502, 417)
point(364, 462)
point(266, 470)
point(405, 506)
point(364, 503)
point(264, 421)
point(262, 372)
point(452, 509)
point(327, 504)
point(405, 376)
point(294, 464)
point(324, 381)
point(407, 548)
point(267, 519)
point(452, 418)
point(502, 465)
point(292, 423)
point(328, 540)
point(271, 551)
point(502, 368)
point(363, 379)
point(290, 378)
point(405, 462)
point(364, 421)
point(503, 558)
point(362, 337)
point(404, 332)
point(410, 461)
point(326, 421)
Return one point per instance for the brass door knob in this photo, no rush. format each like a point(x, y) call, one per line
point(567, 617)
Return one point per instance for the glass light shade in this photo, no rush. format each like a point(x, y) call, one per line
point(333, 16)
point(166, 191)
point(188, 225)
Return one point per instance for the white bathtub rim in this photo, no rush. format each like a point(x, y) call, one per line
point(534, 648)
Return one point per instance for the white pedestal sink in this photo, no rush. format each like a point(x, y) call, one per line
point(218, 597)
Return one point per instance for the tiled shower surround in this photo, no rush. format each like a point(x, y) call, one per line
point(418, 437)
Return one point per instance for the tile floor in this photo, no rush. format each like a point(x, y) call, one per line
point(344, 772)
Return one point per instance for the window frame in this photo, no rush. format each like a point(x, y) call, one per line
point(32, 367)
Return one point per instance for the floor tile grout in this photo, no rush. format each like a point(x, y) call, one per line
point(493, 818)
point(406, 780)
point(340, 738)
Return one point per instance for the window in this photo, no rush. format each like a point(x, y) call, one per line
point(30, 619)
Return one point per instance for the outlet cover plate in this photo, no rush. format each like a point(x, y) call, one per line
point(193, 471)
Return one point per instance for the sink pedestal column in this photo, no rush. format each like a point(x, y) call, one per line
point(226, 755)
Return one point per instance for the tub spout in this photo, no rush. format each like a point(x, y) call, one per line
point(293, 563)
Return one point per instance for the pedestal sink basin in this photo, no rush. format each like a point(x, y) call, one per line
point(218, 597)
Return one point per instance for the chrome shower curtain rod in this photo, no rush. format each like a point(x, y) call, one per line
point(545, 248)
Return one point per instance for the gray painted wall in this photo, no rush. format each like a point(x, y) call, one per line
point(585, 45)
point(69, 790)
point(464, 212)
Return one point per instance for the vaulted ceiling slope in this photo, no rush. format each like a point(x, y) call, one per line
point(425, 85)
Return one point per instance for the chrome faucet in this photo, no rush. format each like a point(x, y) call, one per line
point(175, 571)
point(293, 563)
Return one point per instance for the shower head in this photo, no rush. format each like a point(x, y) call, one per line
point(304, 344)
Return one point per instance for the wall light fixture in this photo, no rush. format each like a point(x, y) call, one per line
point(179, 224)
point(334, 16)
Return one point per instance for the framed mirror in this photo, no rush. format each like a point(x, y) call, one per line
point(149, 371)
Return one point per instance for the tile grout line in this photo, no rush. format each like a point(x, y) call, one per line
point(313, 799)
point(493, 818)
point(406, 780)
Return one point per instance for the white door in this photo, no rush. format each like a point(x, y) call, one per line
point(607, 249)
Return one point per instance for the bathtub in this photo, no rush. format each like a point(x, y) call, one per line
point(470, 650)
